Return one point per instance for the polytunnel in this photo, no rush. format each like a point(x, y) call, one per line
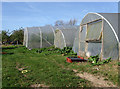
point(38, 37)
point(64, 36)
point(98, 34)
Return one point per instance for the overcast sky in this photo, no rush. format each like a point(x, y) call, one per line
point(28, 14)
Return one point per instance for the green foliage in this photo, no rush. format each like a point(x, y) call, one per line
point(95, 60)
point(5, 36)
point(51, 70)
point(17, 35)
point(41, 69)
point(118, 63)
point(66, 51)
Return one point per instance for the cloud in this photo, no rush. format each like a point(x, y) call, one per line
point(32, 7)
point(84, 11)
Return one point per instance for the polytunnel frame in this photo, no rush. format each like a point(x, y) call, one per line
point(26, 32)
point(26, 41)
point(62, 35)
point(40, 38)
point(102, 28)
point(43, 38)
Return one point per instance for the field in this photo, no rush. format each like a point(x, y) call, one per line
point(29, 68)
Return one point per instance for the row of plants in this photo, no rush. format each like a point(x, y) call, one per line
point(65, 51)
point(94, 60)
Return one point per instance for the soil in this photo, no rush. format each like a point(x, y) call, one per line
point(97, 81)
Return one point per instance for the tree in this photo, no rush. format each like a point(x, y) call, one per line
point(59, 23)
point(5, 37)
point(17, 36)
point(73, 22)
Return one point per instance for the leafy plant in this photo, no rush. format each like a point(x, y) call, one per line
point(52, 49)
point(67, 50)
point(118, 63)
point(95, 60)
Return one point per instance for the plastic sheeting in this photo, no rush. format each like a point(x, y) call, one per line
point(94, 30)
point(89, 18)
point(75, 44)
point(82, 38)
point(47, 36)
point(33, 38)
point(113, 20)
point(107, 46)
point(94, 49)
point(67, 34)
point(59, 39)
point(83, 33)
point(38, 37)
point(110, 44)
point(25, 37)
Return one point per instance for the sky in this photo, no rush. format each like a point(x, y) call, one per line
point(29, 14)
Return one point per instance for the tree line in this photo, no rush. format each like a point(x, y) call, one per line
point(17, 36)
point(14, 37)
point(71, 22)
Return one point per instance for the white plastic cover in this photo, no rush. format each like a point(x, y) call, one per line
point(94, 30)
point(108, 46)
point(65, 36)
point(38, 37)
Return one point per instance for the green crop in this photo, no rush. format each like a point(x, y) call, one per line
point(95, 60)
point(118, 63)
point(52, 49)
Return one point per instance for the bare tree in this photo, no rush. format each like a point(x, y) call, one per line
point(70, 22)
point(73, 22)
point(59, 23)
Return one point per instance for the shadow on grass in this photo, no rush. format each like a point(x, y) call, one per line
point(8, 48)
point(119, 74)
point(6, 53)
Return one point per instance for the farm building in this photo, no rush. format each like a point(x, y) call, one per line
point(38, 37)
point(64, 36)
point(98, 34)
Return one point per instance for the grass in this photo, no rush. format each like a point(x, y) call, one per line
point(42, 69)
point(48, 68)
point(109, 71)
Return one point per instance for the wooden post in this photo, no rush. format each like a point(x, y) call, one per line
point(79, 40)
point(102, 28)
point(86, 44)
